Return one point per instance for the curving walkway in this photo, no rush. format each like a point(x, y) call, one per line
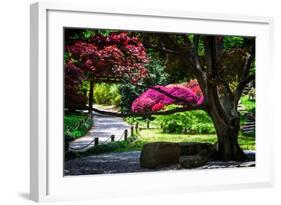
point(103, 127)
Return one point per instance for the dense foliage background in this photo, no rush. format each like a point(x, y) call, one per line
point(136, 73)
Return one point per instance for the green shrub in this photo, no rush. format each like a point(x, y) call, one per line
point(190, 121)
point(107, 94)
point(116, 101)
point(204, 128)
point(173, 127)
point(76, 125)
point(101, 94)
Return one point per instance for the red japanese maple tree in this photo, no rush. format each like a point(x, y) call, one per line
point(117, 55)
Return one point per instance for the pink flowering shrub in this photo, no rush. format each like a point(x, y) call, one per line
point(155, 99)
point(158, 106)
point(142, 104)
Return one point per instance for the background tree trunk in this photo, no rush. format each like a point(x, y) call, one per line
point(91, 96)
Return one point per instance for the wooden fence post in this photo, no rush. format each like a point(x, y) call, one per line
point(125, 135)
point(96, 141)
point(137, 127)
point(112, 138)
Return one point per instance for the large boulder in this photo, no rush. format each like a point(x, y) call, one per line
point(194, 148)
point(159, 154)
point(193, 161)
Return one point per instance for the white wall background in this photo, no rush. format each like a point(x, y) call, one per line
point(14, 101)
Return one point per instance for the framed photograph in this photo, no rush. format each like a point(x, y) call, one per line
point(131, 102)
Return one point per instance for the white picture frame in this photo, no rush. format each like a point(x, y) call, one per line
point(47, 182)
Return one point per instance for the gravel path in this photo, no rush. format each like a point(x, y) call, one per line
point(103, 127)
point(125, 162)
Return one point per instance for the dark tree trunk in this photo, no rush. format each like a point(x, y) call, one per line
point(226, 120)
point(91, 97)
point(228, 147)
point(221, 107)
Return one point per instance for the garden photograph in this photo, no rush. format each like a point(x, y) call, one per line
point(137, 101)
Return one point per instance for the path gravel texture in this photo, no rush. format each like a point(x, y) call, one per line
point(125, 162)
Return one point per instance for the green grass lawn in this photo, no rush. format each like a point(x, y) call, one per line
point(156, 135)
point(72, 120)
point(136, 143)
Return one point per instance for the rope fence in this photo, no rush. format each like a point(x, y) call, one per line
point(96, 141)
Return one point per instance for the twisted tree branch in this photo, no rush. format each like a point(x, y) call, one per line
point(150, 113)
